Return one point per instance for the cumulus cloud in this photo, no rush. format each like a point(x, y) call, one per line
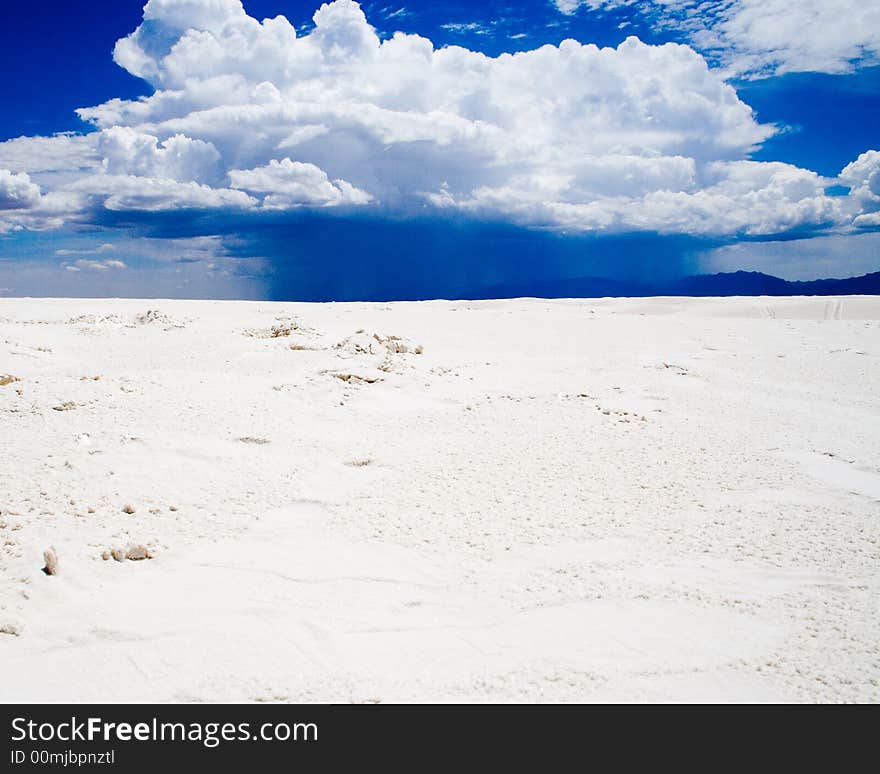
point(62, 157)
point(763, 37)
point(862, 176)
point(247, 117)
point(127, 152)
point(17, 192)
point(132, 193)
point(18, 195)
point(744, 197)
point(289, 183)
point(23, 205)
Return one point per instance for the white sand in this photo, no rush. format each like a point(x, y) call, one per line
point(513, 530)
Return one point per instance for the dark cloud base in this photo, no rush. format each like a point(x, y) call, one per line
point(333, 258)
point(350, 256)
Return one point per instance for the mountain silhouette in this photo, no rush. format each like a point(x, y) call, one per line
point(738, 283)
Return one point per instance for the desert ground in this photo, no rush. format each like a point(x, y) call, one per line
point(526, 500)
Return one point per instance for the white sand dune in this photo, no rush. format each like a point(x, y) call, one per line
point(624, 500)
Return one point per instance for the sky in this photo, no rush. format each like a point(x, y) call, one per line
point(298, 151)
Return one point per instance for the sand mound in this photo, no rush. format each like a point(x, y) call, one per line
point(150, 317)
point(155, 317)
point(283, 327)
point(134, 552)
point(98, 319)
point(362, 343)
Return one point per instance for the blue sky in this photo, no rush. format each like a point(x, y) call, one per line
point(398, 150)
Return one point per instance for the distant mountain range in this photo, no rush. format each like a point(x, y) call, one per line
point(738, 283)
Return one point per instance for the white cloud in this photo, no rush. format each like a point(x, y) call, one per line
point(246, 116)
point(763, 37)
point(130, 192)
point(473, 28)
point(53, 158)
point(292, 184)
point(862, 176)
point(745, 197)
point(17, 192)
point(104, 248)
point(23, 206)
point(127, 152)
point(88, 264)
